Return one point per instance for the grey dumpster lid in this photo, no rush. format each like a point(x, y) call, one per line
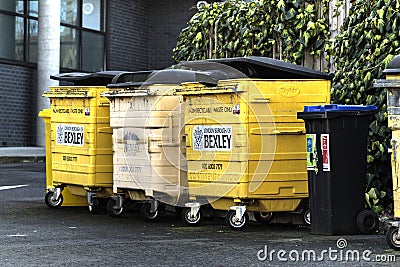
point(100, 78)
point(131, 77)
point(393, 66)
point(264, 68)
point(169, 76)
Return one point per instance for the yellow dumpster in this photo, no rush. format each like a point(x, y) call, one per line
point(392, 85)
point(149, 142)
point(245, 146)
point(81, 143)
point(67, 199)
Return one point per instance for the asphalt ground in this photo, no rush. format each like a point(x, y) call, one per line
point(31, 234)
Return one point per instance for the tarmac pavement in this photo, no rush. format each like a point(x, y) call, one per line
point(31, 234)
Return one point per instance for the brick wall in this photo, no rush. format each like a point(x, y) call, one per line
point(167, 19)
point(141, 34)
point(17, 96)
point(128, 35)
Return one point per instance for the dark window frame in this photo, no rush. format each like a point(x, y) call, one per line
point(79, 28)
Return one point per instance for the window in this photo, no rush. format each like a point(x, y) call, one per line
point(91, 14)
point(69, 48)
point(82, 32)
point(69, 12)
point(12, 30)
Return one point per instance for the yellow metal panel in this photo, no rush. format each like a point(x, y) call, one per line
point(395, 171)
point(69, 198)
point(278, 205)
point(392, 76)
point(260, 205)
point(267, 159)
point(81, 142)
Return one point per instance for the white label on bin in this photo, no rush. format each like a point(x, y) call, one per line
point(70, 135)
point(326, 164)
point(212, 138)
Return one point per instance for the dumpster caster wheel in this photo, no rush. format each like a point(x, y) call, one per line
point(112, 210)
point(53, 203)
point(367, 222)
point(188, 217)
point(94, 207)
point(234, 222)
point(393, 238)
point(264, 217)
point(147, 215)
point(306, 217)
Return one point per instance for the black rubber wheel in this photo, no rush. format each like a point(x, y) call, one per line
point(367, 222)
point(306, 217)
point(95, 207)
point(264, 217)
point(178, 211)
point(53, 203)
point(391, 238)
point(147, 215)
point(191, 220)
point(234, 223)
point(112, 211)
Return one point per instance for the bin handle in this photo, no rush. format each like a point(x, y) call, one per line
point(260, 99)
point(103, 102)
point(106, 130)
point(271, 131)
point(286, 131)
point(168, 145)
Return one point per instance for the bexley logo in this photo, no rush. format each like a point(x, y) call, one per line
point(70, 135)
point(212, 138)
point(339, 253)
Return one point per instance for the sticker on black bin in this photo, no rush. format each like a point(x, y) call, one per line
point(326, 165)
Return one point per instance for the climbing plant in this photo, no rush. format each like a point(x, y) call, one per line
point(282, 29)
point(367, 42)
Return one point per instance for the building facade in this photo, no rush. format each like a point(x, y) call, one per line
point(95, 35)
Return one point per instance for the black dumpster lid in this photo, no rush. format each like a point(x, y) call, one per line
point(394, 66)
point(168, 76)
point(264, 68)
point(100, 78)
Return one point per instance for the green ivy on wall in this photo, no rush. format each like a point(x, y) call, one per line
point(368, 40)
point(282, 29)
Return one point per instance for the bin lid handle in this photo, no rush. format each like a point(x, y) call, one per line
point(287, 131)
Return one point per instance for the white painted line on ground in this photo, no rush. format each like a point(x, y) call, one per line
point(16, 235)
point(6, 187)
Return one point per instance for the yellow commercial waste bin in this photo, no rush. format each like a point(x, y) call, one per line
point(245, 146)
point(68, 198)
point(149, 142)
point(81, 139)
point(392, 85)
